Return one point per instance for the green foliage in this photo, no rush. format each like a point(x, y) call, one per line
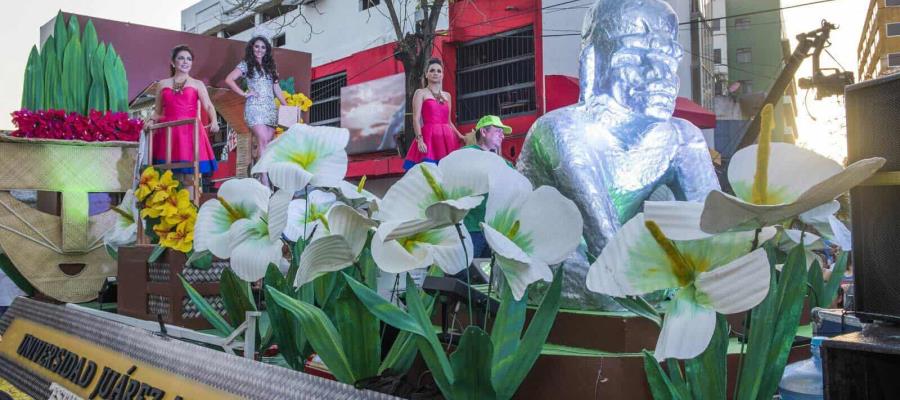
point(822, 293)
point(33, 92)
point(292, 343)
point(75, 72)
point(236, 296)
point(199, 259)
point(287, 84)
point(483, 366)
point(207, 310)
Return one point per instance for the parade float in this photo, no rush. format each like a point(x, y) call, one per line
point(644, 273)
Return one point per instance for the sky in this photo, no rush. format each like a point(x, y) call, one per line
point(820, 129)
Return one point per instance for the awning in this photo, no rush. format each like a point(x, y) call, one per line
point(687, 109)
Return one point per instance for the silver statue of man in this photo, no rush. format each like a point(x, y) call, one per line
point(620, 143)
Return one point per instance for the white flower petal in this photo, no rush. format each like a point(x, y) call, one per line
point(391, 257)
point(738, 286)
point(438, 215)
point(723, 212)
point(349, 223)
point(408, 198)
point(470, 170)
point(792, 170)
point(519, 276)
point(448, 252)
point(840, 234)
point(245, 195)
point(509, 189)
point(288, 176)
point(327, 254)
point(552, 223)
point(252, 250)
point(211, 230)
point(679, 220)
point(820, 213)
point(278, 212)
point(504, 247)
point(686, 330)
point(632, 263)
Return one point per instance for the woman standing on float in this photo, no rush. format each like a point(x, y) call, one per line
point(258, 70)
point(436, 136)
point(176, 99)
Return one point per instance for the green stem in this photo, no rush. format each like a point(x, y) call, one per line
point(468, 278)
point(487, 307)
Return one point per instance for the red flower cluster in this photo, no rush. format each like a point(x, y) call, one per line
point(96, 127)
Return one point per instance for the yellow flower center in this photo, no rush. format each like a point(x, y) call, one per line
point(681, 266)
point(759, 194)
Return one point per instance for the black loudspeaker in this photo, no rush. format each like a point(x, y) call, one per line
point(873, 130)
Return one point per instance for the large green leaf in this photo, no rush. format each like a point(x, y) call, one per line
point(641, 307)
point(383, 309)
point(834, 282)
point(206, 310)
point(428, 344)
point(707, 374)
point(61, 37)
point(759, 338)
point(73, 29)
point(506, 333)
point(236, 296)
point(15, 276)
point(532, 342)
point(292, 343)
point(816, 285)
point(471, 364)
point(90, 43)
point(660, 386)
point(791, 293)
point(321, 333)
point(122, 84)
point(359, 333)
point(110, 72)
point(97, 95)
point(401, 355)
point(33, 87)
point(200, 260)
point(53, 93)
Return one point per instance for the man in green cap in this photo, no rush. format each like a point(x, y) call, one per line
point(489, 134)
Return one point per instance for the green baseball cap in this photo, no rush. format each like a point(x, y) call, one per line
point(493, 120)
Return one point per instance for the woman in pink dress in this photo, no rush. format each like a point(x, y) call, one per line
point(436, 136)
point(176, 99)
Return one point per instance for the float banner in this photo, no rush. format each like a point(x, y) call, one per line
point(54, 352)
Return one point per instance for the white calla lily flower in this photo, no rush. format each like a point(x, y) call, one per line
point(306, 215)
point(774, 182)
point(252, 250)
point(713, 273)
point(432, 197)
point(314, 155)
point(789, 238)
point(337, 250)
point(440, 246)
point(357, 195)
point(529, 230)
point(237, 199)
point(124, 232)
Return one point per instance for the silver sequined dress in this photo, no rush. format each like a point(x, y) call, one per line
point(259, 109)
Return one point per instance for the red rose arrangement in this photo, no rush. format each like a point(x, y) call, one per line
point(95, 127)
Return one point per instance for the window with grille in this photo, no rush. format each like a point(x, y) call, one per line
point(279, 41)
point(892, 3)
point(325, 94)
point(495, 75)
point(893, 29)
point(742, 23)
point(893, 60)
point(715, 25)
point(717, 56)
point(744, 55)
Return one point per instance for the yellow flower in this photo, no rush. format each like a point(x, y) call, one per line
point(184, 212)
point(176, 202)
point(162, 229)
point(149, 181)
point(166, 187)
point(181, 239)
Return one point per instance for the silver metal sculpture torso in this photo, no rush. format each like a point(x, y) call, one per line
point(620, 143)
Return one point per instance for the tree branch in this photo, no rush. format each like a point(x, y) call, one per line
point(395, 20)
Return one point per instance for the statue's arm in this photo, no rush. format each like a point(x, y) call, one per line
point(694, 171)
point(576, 170)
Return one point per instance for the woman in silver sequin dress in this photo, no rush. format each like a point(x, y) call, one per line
point(258, 70)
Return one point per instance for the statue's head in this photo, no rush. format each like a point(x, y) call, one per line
point(630, 53)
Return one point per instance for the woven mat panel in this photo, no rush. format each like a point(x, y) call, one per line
point(158, 305)
point(23, 229)
point(213, 274)
point(189, 309)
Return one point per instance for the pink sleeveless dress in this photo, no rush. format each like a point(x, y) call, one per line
point(436, 133)
point(181, 106)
